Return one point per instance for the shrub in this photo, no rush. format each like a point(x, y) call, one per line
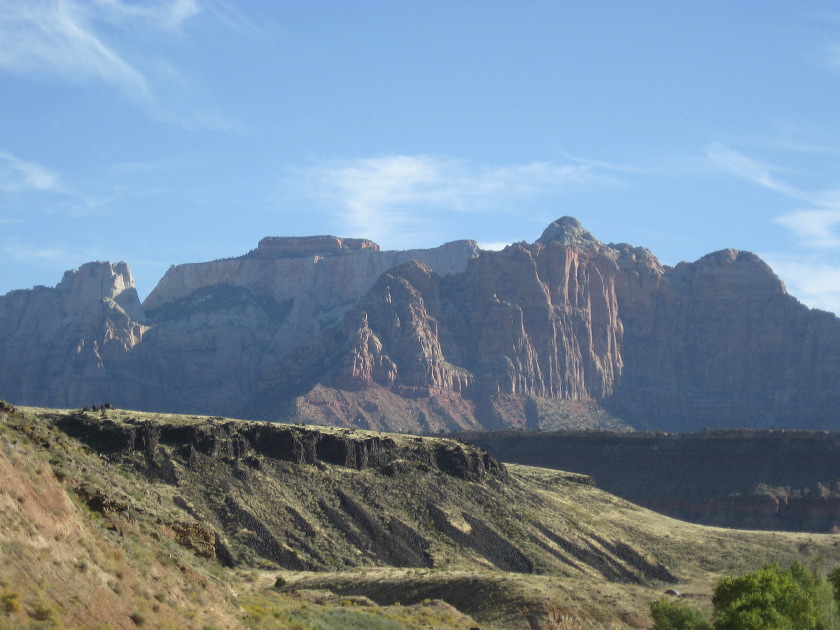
point(668, 615)
point(10, 602)
point(44, 612)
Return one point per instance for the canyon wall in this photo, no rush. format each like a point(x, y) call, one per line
point(772, 480)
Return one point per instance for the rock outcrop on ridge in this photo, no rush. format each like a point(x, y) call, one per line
point(564, 332)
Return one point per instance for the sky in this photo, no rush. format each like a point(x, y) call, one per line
point(161, 132)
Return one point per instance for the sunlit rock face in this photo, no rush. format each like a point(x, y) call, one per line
point(332, 330)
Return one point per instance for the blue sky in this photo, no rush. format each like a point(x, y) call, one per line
point(171, 131)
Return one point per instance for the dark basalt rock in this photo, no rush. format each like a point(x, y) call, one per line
point(246, 442)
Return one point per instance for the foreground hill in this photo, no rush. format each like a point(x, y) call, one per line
point(127, 518)
point(563, 332)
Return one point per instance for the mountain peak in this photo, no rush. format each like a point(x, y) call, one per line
point(569, 231)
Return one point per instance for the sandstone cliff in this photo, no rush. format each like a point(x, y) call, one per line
point(564, 332)
point(212, 333)
point(59, 344)
point(713, 343)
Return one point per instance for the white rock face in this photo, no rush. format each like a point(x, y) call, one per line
point(320, 287)
point(58, 346)
point(208, 336)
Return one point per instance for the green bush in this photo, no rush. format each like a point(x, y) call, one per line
point(775, 599)
point(10, 602)
point(668, 615)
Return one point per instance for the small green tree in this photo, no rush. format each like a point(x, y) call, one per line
point(775, 599)
point(668, 615)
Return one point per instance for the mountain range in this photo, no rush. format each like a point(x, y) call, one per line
point(564, 332)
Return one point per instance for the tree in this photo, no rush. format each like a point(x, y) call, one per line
point(775, 599)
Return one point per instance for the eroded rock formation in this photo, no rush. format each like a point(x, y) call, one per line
point(566, 331)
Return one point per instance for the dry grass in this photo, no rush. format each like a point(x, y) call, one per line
point(594, 557)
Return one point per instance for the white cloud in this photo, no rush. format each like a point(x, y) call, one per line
point(746, 168)
point(29, 253)
point(813, 227)
point(106, 41)
point(814, 280)
point(388, 197)
point(57, 37)
point(164, 14)
point(494, 246)
point(17, 175)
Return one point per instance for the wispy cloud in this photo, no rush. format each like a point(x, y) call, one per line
point(813, 226)
point(170, 14)
point(746, 168)
point(27, 252)
point(813, 279)
point(57, 37)
point(107, 41)
point(17, 175)
point(811, 273)
point(386, 196)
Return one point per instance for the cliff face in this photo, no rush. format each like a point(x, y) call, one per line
point(721, 344)
point(713, 343)
point(212, 333)
point(771, 480)
point(566, 331)
point(59, 344)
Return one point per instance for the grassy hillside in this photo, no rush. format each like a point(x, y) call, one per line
point(122, 519)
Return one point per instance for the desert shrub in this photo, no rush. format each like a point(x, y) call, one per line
point(669, 615)
point(10, 602)
point(773, 598)
point(280, 582)
point(137, 618)
point(42, 611)
point(349, 619)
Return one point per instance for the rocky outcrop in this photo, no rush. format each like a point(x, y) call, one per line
point(246, 442)
point(303, 246)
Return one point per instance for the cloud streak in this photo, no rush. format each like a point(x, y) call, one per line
point(17, 175)
point(746, 168)
point(386, 197)
point(813, 275)
point(75, 41)
point(814, 280)
point(58, 38)
point(813, 226)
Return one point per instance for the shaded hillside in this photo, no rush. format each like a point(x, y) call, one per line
point(334, 331)
point(128, 519)
point(775, 480)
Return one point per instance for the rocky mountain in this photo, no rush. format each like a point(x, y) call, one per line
point(563, 332)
